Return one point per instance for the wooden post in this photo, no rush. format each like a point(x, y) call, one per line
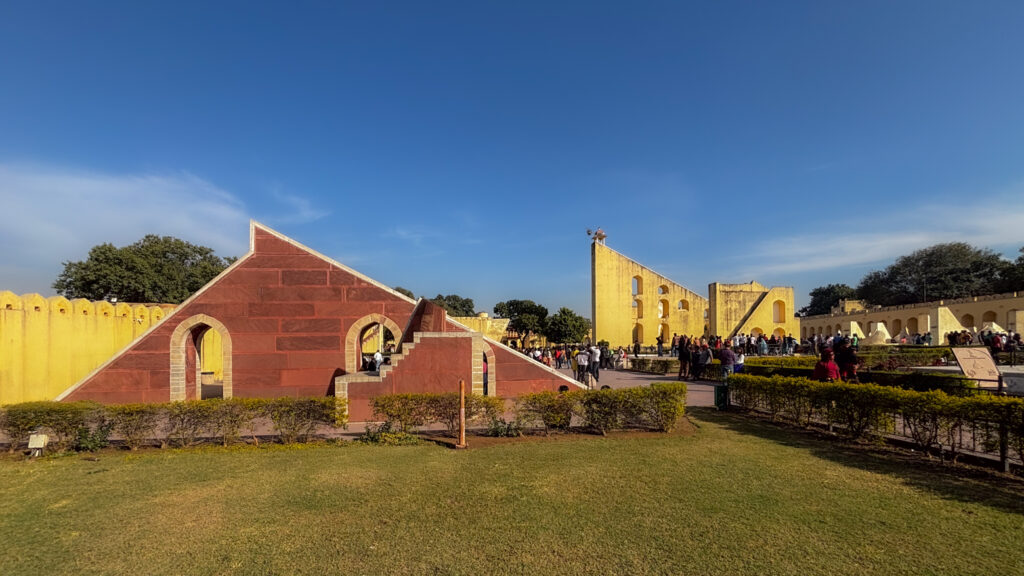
point(462, 414)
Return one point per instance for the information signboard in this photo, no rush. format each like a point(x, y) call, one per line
point(977, 364)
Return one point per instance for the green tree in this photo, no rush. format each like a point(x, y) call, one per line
point(823, 298)
point(455, 305)
point(526, 316)
point(942, 271)
point(1013, 276)
point(155, 269)
point(405, 291)
point(566, 327)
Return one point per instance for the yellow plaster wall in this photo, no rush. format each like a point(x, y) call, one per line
point(749, 308)
point(938, 317)
point(48, 344)
point(493, 328)
point(613, 313)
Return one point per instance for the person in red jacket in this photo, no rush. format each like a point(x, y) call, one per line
point(826, 370)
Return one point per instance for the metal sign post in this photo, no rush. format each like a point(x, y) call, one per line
point(977, 364)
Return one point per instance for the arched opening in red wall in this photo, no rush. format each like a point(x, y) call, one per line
point(187, 354)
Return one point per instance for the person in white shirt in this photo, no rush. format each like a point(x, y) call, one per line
point(378, 359)
point(595, 362)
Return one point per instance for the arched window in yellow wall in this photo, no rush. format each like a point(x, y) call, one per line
point(663, 289)
point(638, 333)
point(639, 305)
point(988, 316)
point(638, 285)
point(683, 305)
point(967, 321)
point(897, 326)
point(912, 325)
point(663, 309)
point(778, 311)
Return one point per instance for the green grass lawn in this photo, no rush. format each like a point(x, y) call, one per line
point(737, 496)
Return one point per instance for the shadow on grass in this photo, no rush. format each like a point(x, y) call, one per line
point(954, 482)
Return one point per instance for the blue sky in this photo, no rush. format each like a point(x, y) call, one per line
point(465, 147)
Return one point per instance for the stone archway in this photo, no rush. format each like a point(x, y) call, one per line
point(180, 349)
point(490, 379)
point(352, 359)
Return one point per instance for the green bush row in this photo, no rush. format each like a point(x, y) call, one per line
point(405, 412)
point(88, 425)
point(657, 407)
point(875, 359)
point(933, 419)
point(953, 384)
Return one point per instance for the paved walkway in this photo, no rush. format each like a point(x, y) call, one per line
point(699, 393)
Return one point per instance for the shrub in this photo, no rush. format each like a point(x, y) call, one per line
point(404, 411)
point(666, 403)
point(95, 434)
point(601, 410)
point(296, 419)
point(931, 418)
point(501, 428)
point(188, 421)
point(18, 421)
point(229, 415)
point(384, 434)
point(135, 422)
point(62, 420)
point(952, 384)
point(554, 411)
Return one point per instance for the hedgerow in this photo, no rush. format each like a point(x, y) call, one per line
point(87, 426)
point(953, 384)
point(656, 407)
point(932, 419)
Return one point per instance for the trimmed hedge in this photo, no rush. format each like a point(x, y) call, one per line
point(87, 426)
point(405, 412)
point(655, 407)
point(933, 419)
point(953, 384)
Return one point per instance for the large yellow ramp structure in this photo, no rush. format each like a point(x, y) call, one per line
point(633, 303)
point(752, 309)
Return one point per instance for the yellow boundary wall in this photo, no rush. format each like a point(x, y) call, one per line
point(48, 344)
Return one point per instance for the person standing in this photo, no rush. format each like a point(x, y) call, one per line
point(684, 360)
point(661, 345)
point(583, 360)
point(595, 363)
point(728, 358)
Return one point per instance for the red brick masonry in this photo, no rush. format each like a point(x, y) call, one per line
point(288, 312)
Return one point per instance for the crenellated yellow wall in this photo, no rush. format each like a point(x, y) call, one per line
point(48, 344)
point(996, 312)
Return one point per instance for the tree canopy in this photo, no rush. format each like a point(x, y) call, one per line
point(155, 269)
point(942, 271)
point(823, 298)
point(566, 327)
point(405, 291)
point(525, 316)
point(455, 305)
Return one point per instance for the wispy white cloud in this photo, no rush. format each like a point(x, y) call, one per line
point(53, 214)
point(299, 210)
point(989, 220)
point(414, 235)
